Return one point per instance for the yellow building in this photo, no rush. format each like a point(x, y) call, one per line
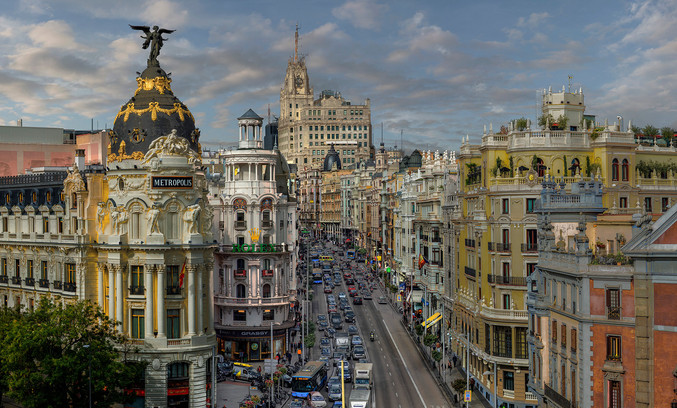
point(498, 244)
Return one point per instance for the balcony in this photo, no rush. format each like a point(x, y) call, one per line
point(136, 290)
point(470, 243)
point(507, 280)
point(250, 301)
point(266, 224)
point(69, 286)
point(30, 281)
point(530, 247)
point(503, 247)
point(173, 290)
point(267, 273)
point(43, 283)
point(240, 273)
point(16, 280)
point(613, 313)
point(240, 225)
point(4, 278)
point(470, 272)
point(558, 398)
point(57, 284)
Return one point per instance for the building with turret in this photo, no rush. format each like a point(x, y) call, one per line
point(308, 126)
point(255, 224)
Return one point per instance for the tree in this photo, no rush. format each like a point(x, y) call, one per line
point(650, 131)
point(521, 123)
point(543, 119)
point(562, 122)
point(48, 366)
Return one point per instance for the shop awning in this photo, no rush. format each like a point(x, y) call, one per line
point(432, 320)
point(416, 296)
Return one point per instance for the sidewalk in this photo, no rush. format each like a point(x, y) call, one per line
point(477, 401)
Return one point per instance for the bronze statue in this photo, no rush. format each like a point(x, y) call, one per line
point(154, 39)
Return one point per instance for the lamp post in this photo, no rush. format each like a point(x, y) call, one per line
point(495, 386)
point(89, 372)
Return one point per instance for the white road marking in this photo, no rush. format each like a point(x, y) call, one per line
point(405, 364)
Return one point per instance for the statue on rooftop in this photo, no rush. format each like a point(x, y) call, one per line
point(154, 39)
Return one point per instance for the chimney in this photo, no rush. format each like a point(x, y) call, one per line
point(80, 159)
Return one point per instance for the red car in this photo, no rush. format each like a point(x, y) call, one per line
point(327, 289)
point(357, 300)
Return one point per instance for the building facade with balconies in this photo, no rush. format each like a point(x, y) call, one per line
point(255, 263)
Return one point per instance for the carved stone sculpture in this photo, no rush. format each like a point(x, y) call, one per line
point(192, 217)
point(152, 218)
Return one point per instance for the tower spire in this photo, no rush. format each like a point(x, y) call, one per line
point(296, 44)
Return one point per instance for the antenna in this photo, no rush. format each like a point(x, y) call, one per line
point(296, 44)
point(381, 133)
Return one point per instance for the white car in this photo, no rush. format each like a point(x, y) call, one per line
point(315, 399)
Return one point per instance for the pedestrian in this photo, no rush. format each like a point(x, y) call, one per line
point(259, 369)
point(278, 358)
point(455, 360)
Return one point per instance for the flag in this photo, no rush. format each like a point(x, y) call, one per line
point(182, 274)
point(421, 261)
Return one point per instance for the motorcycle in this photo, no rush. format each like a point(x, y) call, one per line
point(371, 336)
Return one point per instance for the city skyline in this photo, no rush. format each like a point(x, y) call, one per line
point(434, 71)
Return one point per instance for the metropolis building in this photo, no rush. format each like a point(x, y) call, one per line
point(308, 126)
point(255, 263)
point(134, 238)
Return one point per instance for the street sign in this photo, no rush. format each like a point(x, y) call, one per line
point(468, 396)
point(399, 298)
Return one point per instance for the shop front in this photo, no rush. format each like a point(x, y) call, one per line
point(247, 345)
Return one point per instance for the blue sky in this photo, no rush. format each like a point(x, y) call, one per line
point(435, 70)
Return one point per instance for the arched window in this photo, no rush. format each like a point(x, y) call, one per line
point(240, 291)
point(48, 197)
point(266, 291)
point(614, 170)
point(625, 170)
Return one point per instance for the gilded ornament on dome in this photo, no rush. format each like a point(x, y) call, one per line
point(194, 135)
point(137, 135)
point(154, 108)
point(113, 136)
point(160, 84)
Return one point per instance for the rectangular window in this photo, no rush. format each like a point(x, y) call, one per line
point(574, 339)
point(521, 342)
point(17, 268)
point(624, 202)
point(136, 279)
point(505, 236)
point(613, 304)
point(613, 348)
point(70, 273)
point(564, 335)
point(503, 341)
point(173, 323)
point(4, 267)
point(29, 268)
point(664, 204)
point(509, 380)
point(487, 338)
point(45, 225)
point(172, 279)
point(554, 331)
point(239, 315)
point(647, 204)
point(137, 324)
point(614, 394)
point(268, 314)
point(505, 206)
point(531, 202)
point(43, 270)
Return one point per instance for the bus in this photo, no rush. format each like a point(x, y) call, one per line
point(350, 254)
point(311, 377)
point(317, 276)
point(325, 258)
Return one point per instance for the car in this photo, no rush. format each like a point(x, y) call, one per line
point(332, 308)
point(347, 372)
point(350, 281)
point(323, 325)
point(357, 300)
point(325, 351)
point(330, 332)
point(337, 404)
point(342, 295)
point(335, 393)
point(350, 317)
point(315, 399)
point(347, 275)
point(382, 300)
point(343, 349)
point(286, 380)
point(348, 308)
point(297, 403)
point(325, 360)
point(331, 299)
point(338, 356)
point(363, 360)
point(328, 289)
point(358, 352)
point(366, 295)
point(325, 342)
point(333, 381)
point(352, 330)
point(356, 341)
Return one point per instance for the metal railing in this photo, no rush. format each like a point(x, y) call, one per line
point(530, 247)
point(266, 224)
point(507, 280)
point(503, 247)
point(470, 271)
point(4, 278)
point(30, 281)
point(57, 284)
point(69, 286)
point(173, 290)
point(43, 283)
point(136, 290)
point(240, 225)
point(613, 313)
point(558, 398)
point(16, 280)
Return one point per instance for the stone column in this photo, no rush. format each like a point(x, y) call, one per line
point(148, 313)
point(119, 300)
point(191, 299)
point(210, 298)
point(161, 312)
point(111, 291)
point(100, 294)
point(200, 300)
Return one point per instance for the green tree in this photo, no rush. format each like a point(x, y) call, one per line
point(8, 318)
point(543, 119)
point(636, 130)
point(47, 364)
point(521, 123)
point(562, 122)
point(650, 131)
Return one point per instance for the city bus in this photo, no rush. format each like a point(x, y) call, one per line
point(350, 254)
point(311, 377)
point(325, 258)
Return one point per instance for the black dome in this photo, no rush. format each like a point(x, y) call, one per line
point(152, 112)
point(415, 159)
point(332, 158)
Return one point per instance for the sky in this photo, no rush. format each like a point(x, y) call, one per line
point(434, 71)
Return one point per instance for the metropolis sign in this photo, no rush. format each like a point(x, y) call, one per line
point(172, 182)
point(254, 248)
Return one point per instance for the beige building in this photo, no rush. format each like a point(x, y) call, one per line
point(308, 126)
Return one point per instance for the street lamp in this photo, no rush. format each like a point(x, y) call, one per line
point(495, 380)
point(89, 372)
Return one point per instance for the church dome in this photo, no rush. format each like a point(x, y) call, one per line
point(330, 159)
point(153, 111)
point(415, 159)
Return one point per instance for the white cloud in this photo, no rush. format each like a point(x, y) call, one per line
point(55, 34)
point(364, 14)
point(533, 20)
point(418, 37)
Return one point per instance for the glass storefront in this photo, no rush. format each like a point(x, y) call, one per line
point(254, 348)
